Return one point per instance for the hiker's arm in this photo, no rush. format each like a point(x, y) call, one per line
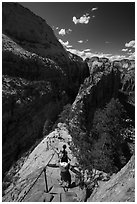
point(74, 170)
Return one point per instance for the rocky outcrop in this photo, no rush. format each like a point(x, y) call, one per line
point(26, 106)
point(127, 73)
point(34, 35)
point(31, 31)
point(28, 184)
point(127, 69)
point(95, 92)
point(32, 93)
point(19, 62)
point(37, 79)
point(120, 188)
point(96, 101)
point(98, 90)
point(97, 64)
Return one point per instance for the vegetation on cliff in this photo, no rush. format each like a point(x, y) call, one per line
point(98, 122)
point(104, 147)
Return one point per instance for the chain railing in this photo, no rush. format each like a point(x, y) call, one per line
point(43, 170)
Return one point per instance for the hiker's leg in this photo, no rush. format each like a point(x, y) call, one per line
point(69, 178)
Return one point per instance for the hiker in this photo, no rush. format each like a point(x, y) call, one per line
point(64, 155)
point(64, 166)
point(64, 173)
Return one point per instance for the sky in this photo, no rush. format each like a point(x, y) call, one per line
point(104, 29)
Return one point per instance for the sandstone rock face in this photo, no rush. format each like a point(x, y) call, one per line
point(126, 68)
point(29, 95)
point(26, 106)
point(34, 35)
point(30, 30)
point(96, 91)
point(19, 62)
point(120, 188)
point(37, 79)
point(43, 154)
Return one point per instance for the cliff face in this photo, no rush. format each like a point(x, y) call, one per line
point(120, 188)
point(31, 31)
point(37, 79)
point(24, 178)
point(34, 35)
point(96, 119)
point(102, 85)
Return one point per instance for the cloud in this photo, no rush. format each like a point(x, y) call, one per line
point(64, 31)
point(94, 9)
point(77, 52)
point(69, 46)
point(131, 56)
point(124, 50)
point(107, 42)
point(88, 54)
point(80, 41)
point(65, 44)
point(130, 44)
point(87, 50)
point(117, 57)
point(83, 19)
point(69, 30)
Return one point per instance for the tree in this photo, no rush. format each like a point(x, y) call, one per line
point(101, 148)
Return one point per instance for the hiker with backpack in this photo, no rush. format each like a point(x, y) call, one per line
point(64, 154)
point(64, 166)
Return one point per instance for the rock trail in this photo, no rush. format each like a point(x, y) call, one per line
point(32, 171)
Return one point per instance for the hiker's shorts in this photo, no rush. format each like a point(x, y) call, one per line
point(65, 176)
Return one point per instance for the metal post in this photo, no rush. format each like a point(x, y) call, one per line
point(60, 197)
point(46, 180)
point(47, 145)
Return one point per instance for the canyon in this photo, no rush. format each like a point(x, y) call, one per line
point(49, 94)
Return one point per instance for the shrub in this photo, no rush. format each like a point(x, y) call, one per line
point(64, 115)
point(102, 147)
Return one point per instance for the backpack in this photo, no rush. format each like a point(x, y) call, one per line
point(64, 167)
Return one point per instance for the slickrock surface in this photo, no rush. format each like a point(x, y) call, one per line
point(39, 78)
point(34, 165)
point(120, 188)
